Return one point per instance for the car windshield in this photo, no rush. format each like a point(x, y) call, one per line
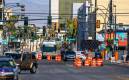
point(70, 52)
point(7, 64)
point(26, 56)
point(13, 55)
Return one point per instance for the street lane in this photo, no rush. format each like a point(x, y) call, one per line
point(66, 71)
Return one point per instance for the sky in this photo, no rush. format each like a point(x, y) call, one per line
point(34, 6)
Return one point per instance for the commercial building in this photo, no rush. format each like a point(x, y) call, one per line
point(55, 13)
point(121, 7)
point(84, 28)
point(2, 3)
point(66, 10)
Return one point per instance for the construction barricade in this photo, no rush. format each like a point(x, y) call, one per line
point(39, 56)
point(86, 63)
point(99, 62)
point(77, 63)
point(93, 63)
point(58, 58)
point(49, 57)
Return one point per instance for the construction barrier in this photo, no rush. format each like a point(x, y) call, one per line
point(87, 62)
point(58, 58)
point(116, 55)
point(39, 56)
point(49, 57)
point(99, 62)
point(93, 63)
point(77, 63)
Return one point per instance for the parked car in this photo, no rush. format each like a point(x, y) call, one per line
point(16, 56)
point(81, 54)
point(28, 62)
point(8, 68)
point(69, 55)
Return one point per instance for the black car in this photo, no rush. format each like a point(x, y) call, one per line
point(8, 69)
point(69, 55)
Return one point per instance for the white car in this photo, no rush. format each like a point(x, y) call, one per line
point(81, 55)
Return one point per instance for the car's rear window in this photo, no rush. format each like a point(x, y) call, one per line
point(13, 55)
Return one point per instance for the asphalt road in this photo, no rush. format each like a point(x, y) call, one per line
point(66, 71)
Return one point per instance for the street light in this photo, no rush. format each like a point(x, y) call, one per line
point(115, 26)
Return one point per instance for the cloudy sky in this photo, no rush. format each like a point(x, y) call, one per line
point(34, 6)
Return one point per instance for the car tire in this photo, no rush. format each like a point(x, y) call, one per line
point(65, 59)
point(33, 70)
point(17, 78)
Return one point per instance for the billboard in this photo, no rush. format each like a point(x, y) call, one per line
point(121, 38)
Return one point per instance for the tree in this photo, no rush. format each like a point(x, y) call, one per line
point(11, 23)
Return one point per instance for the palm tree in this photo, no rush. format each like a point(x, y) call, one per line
point(11, 22)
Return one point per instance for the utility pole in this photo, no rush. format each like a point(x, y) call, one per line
point(95, 18)
point(110, 14)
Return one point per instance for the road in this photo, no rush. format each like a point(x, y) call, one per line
point(66, 71)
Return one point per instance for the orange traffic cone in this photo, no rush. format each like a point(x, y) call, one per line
point(49, 57)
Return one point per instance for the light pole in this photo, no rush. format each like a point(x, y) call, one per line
point(115, 26)
point(95, 17)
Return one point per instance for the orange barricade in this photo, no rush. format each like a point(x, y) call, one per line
point(39, 57)
point(49, 57)
point(99, 62)
point(77, 63)
point(87, 62)
point(90, 60)
point(93, 64)
point(58, 58)
point(116, 56)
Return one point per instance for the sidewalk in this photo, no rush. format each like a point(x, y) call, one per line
point(107, 62)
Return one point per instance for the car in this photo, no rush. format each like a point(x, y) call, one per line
point(69, 55)
point(26, 60)
point(8, 68)
point(81, 54)
point(15, 55)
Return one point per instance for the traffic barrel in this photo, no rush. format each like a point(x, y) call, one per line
point(93, 63)
point(116, 55)
point(39, 57)
point(58, 58)
point(99, 62)
point(49, 57)
point(79, 63)
point(87, 62)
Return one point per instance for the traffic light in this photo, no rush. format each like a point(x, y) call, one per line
point(98, 24)
point(32, 34)
point(26, 21)
point(58, 30)
point(44, 30)
point(55, 26)
point(49, 20)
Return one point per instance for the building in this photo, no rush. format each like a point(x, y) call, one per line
point(76, 7)
point(55, 14)
point(121, 10)
point(65, 11)
point(83, 26)
point(2, 3)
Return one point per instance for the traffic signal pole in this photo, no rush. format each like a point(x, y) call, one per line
point(95, 18)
